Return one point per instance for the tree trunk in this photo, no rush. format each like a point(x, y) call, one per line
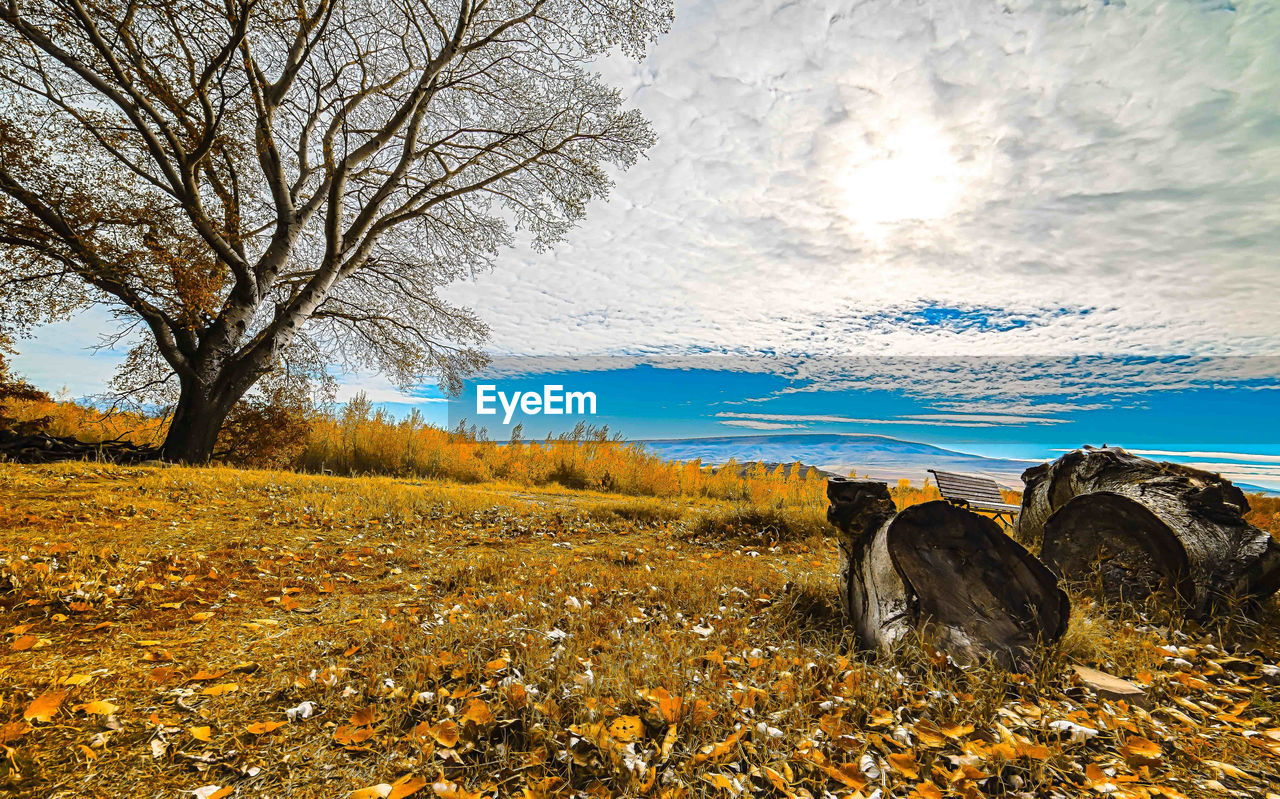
point(1134, 527)
point(945, 571)
point(197, 420)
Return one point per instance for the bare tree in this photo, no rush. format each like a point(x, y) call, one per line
point(257, 180)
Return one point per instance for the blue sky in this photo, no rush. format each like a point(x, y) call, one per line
point(1038, 179)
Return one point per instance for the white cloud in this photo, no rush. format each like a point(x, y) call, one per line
point(1031, 386)
point(1228, 456)
point(378, 389)
point(758, 425)
point(990, 418)
point(1121, 159)
point(1268, 471)
point(921, 419)
point(786, 417)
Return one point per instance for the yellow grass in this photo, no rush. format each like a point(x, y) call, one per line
point(361, 440)
point(506, 640)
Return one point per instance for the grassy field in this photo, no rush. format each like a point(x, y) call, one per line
point(269, 634)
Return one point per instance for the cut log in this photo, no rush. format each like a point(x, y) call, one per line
point(872, 591)
point(1132, 527)
point(944, 571)
point(43, 448)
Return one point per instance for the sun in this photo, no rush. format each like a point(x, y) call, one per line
point(912, 174)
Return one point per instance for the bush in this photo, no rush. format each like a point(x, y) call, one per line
point(268, 428)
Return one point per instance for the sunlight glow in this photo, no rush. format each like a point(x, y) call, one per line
point(912, 175)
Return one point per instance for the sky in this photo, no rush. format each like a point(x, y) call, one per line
point(890, 178)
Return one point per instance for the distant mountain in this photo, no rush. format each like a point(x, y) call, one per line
point(880, 457)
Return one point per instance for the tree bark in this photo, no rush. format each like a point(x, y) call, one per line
point(944, 571)
point(197, 419)
point(1134, 527)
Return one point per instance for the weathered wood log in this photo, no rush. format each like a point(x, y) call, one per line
point(872, 591)
point(1134, 526)
point(44, 448)
point(943, 570)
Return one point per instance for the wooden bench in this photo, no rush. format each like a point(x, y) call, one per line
point(976, 493)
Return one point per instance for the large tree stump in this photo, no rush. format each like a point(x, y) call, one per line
point(1134, 526)
point(943, 570)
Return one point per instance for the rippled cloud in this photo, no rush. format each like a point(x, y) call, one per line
point(1032, 178)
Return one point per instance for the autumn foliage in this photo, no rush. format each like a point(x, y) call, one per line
point(61, 417)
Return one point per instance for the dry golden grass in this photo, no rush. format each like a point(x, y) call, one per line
point(361, 440)
point(767, 506)
point(500, 640)
point(1264, 513)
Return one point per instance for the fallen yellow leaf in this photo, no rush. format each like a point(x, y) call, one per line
point(220, 689)
point(98, 708)
point(723, 782)
point(364, 717)
point(477, 710)
point(669, 742)
point(23, 643)
point(406, 786)
point(1141, 750)
point(777, 779)
point(44, 706)
point(1226, 769)
point(445, 733)
point(352, 736)
point(626, 729)
point(905, 764)
point(956, 731)
point(717, 753)
point(926, 790)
